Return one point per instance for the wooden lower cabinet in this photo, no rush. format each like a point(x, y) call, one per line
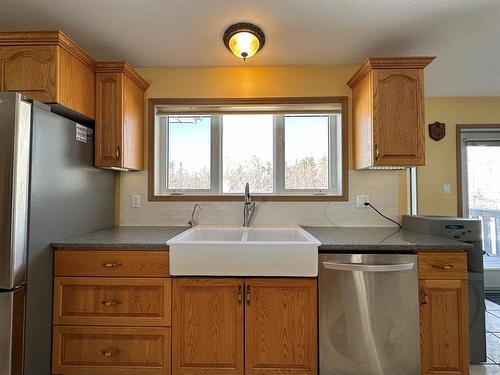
point(210, 316)
point(112, 312)
point(207, 326)
point(111, 350)
point(444, 336)
point(281, 326)
point(112, 301)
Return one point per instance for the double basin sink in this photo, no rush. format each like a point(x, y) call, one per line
point(244, 251)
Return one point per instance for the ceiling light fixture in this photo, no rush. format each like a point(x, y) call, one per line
point(244, 39)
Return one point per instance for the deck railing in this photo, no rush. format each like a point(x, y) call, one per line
point(491, 228)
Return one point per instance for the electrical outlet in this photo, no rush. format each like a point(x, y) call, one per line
point(447, 188)
point(361, 200)
point(135, 202)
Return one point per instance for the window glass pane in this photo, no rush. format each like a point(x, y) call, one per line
point(306, 151)
point(189, 152)
point(247, 153)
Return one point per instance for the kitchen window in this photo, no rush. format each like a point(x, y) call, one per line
point(285, 151)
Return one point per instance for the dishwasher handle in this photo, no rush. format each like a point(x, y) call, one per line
point(368, 267)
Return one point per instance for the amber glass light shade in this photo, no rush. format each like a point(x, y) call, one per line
point(244, 40)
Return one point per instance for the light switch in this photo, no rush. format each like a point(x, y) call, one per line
point(447, 188)
point(136, 201)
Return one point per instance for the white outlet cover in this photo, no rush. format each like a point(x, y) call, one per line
point(447, 188)
point(361, 200)
point(135, 201)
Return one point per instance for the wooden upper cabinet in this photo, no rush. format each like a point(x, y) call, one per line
point(49, 67)
point(119, 122)
point(207, 326)
point(281, 327)
point(388, 112)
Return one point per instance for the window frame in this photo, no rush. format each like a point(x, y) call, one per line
point(160, 143)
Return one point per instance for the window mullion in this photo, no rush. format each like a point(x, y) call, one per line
point(279, 154)
point(216, 152)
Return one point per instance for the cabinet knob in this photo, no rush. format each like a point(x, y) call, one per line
point(117, 153)
point(111, 265)
point(111, 302)
point(446, 267)
point(110, 353)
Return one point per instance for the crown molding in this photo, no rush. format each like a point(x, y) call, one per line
point(121, 67)
point(46, 38)
point(413, 62)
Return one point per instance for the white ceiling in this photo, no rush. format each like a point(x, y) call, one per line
point(464, 34)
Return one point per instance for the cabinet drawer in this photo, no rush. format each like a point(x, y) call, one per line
point(111, 301)
point(128, 263)
point(442, 265)
point(111, 351)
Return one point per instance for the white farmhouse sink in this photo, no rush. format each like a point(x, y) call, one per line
point(235, 251)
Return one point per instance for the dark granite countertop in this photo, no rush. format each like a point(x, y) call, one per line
point(123, 238)
point(332, 238)
point(380, 239)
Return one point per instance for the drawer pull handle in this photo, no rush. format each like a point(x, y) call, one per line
point(240, 296)
point(112, 302)
point(110, 353)
point(111, 265)
point(446, 267)
point(249, 296)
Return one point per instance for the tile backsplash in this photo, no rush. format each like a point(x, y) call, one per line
point(381, 186)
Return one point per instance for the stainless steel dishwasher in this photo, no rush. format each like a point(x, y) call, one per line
point(368, 314)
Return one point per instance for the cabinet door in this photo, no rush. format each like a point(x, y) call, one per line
point(207, 326)
point(444, 327)
point(109, 119)
point(281, 326)
point(398, 117)
point(31, 71)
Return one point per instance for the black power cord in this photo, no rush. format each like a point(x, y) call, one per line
point(381, 214)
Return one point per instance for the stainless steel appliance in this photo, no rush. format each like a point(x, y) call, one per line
point(469, 231)
point(49, 190)
point(368, 314)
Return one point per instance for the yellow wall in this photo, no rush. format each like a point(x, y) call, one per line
point(440, 156)
point(331, 81)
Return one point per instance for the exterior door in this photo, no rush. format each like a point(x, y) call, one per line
point(207, 326)
point(281, 326)
point(480, 152)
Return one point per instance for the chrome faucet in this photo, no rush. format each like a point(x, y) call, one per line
point(248, 207)
point(191, 222)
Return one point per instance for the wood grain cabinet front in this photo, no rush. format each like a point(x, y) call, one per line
point(111, 351)
point(207, 326)
point(119, 119)
point(388, 112)
point(49, 67)
point(111, 301)
point(111, 263)
point(444, 325)
point(216, 323)
point(281, 327)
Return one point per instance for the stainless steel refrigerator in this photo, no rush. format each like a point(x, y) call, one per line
point(49, 191)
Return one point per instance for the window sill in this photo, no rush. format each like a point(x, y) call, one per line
point(256, 198)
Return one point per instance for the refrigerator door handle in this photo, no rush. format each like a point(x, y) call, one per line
point(368, 267)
